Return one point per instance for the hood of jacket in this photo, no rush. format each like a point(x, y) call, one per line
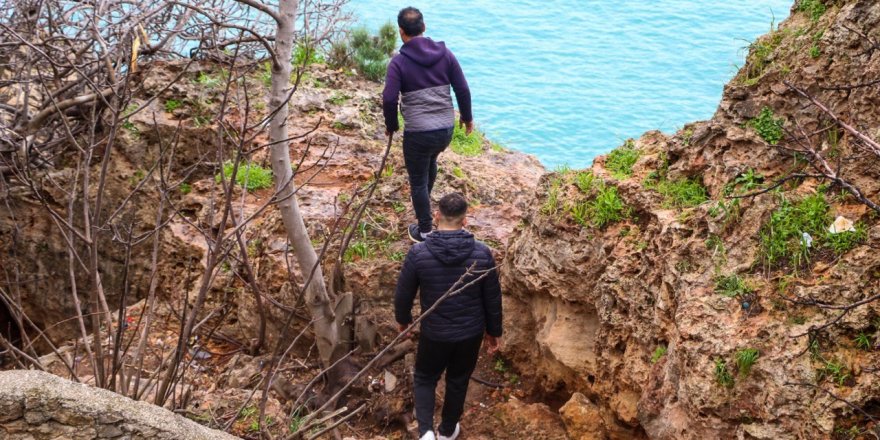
point(451, 247)
point(424, 51)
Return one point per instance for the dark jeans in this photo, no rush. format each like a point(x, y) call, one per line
point(459, 360)
point(420, 151)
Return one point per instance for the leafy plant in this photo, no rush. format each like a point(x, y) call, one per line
point(466, 144)
point(305, 54)
point(768, 126)
point(500, 366)
point(584, 181)
point(745, 358)
point(783, 239)
point(338, 98)
point(185, 188)
point(760, 53)
point(732, 286)
point(172, 104)
point(397, 256)
point(607, 208)
point(814, 8)
point(208, 81)
point(621, 160)
point(359, 249)
point(249, 176)
point(659, 352)
point(458, 172)
point(722, 376)
point(744, 182)
point(863, 341)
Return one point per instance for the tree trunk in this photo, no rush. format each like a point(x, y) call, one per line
point(316, 296)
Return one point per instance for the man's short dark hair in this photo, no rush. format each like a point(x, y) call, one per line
point(411, 21)
point(453, 206)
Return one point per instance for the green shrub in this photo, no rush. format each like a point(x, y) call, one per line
point(466, 144)
point(249, 176)
point(722, 376)
point(768, 126)
point(783, 239)
point(305, 54)
point(621, 160)
point(659, 352)
point(185, 188)
point(745, 358)
point(368, 53)
point(732, 286)
point(814, 8)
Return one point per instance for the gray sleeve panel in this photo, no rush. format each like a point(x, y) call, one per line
point(428, 109)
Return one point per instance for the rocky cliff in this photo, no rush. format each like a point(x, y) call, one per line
point(689, 287)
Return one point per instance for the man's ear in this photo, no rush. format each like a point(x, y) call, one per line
point(437, 217)
point(464, 221)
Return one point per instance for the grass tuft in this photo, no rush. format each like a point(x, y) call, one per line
point(722, 376)
point(682, 193)
point(249, 176)
point(745, 358)
point(732, 286)
point(467, 144)
point(814, 8)
point(658, 354)
point(621, 160)
point(795, 228)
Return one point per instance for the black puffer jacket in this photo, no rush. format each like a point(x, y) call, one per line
point(431, 268)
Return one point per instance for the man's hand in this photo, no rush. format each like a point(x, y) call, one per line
point(492, 344)
point(405, 328)
point(467, 125)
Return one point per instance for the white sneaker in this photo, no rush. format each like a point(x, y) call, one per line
point(428, 436)
point(454, 434)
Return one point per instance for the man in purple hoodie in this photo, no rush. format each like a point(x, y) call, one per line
point(420, 76)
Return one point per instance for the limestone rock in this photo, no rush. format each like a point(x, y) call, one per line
point(583, 420)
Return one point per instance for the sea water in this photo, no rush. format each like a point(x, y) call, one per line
point(567, 80)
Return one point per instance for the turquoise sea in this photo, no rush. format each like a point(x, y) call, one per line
point(567, 80)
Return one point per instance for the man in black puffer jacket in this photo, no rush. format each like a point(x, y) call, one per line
point(451, 335)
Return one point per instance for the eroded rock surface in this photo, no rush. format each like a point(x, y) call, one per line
point(37, 406)
point(628, 316)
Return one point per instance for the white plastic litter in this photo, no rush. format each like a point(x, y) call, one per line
point(808, 240)
point(841, 224)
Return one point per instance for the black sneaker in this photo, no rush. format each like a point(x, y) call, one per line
point(415, 234)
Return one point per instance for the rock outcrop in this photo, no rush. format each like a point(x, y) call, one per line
point(634, 317)
point(37, 406)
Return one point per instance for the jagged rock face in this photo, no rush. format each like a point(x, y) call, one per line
point(586, 308)
point(36, 405)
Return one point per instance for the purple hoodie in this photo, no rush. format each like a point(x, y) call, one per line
point(422, 73)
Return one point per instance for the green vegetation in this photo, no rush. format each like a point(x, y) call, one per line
point(795, 228)
point(597, 204)
point(458, 172)
point(500, 366)
point(744, 183)
point(621, 160)
point(397, 256)
point(760, 53)
point(607, 208)
point(732, 286)
point(843, 242)
point(682, 193)
point(768, 126)
point(722, 376)
point(249, 176)
point(813, 8)
point(185, 188)
point(833, 371)
point(745, 358)
point(367, 53)
point(659, 352)
point(863, 342)
point(305, 54)
point(172, 104)
point(466, 144)
point(788, 235)
point(338, 98)
point(211, 81)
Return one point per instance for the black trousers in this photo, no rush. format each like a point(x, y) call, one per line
point(420, 151)
point(458, 359)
